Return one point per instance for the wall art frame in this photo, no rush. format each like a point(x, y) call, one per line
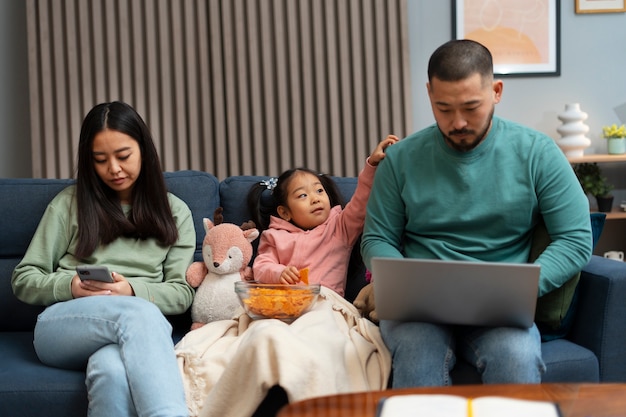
point(600, 6)
point(523, 37)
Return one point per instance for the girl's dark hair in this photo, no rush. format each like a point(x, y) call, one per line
point(264, 199)
point(100, 216)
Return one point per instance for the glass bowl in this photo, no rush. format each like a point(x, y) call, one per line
point(276, 301)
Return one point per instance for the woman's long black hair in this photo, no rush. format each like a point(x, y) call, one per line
point(100, 216)
point(265, 197)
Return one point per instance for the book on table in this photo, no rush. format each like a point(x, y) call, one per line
point(441, 405)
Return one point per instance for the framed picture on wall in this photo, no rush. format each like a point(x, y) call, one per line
point(600, 6)
point(523, 37)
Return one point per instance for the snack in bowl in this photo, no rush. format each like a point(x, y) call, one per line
point(276, 301)
point(304, 275)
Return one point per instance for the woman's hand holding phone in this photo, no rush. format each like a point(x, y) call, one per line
point(97, 280)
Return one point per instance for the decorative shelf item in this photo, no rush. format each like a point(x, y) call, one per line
point(573, 141)
point(616, 139)
point(595, 184)
point(616, 212)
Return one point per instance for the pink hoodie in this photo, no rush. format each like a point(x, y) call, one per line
point(325, 250)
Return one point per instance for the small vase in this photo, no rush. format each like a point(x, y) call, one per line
point(573, 140)
point(616, 146)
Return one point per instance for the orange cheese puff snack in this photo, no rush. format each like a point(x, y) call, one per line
point(278, 303)
point(304, 275)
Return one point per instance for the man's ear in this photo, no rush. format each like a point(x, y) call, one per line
point(283, 212)
point(498, 86)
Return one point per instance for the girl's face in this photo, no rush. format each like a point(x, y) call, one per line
point(117, 161)
point(308, 205)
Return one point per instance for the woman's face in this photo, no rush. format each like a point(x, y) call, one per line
point(117, 161)
point(308, 205)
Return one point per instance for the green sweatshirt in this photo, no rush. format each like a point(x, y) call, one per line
point(430, 201)
point(156, 273)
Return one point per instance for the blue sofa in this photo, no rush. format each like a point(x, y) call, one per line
point(592, 351)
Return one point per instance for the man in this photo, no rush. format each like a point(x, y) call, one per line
point(472, 187)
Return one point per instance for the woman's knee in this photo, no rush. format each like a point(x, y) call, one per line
point(142, 313)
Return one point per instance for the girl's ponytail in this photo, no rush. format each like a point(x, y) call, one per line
point(261, 203)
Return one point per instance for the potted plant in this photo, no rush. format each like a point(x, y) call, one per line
point(592, 181)
point(616, 137)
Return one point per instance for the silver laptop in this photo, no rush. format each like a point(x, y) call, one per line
point(455, 292)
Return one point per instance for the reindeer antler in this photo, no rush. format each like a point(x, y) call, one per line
point(248, 225)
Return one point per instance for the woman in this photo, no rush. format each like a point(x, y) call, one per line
point(118, 215)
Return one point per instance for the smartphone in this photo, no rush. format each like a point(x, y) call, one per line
point(94, 272)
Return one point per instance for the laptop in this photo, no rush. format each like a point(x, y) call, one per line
point(455, 292)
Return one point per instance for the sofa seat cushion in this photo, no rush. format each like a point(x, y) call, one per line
point(565, 362)
point(29, 388)
point(568, 362)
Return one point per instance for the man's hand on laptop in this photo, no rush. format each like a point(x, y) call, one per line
point(364, 302)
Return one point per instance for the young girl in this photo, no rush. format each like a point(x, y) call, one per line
point(308, 227)
point(118, 215)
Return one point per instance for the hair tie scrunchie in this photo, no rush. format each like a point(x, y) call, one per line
point(270, 183)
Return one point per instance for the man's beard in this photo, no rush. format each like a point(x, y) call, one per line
point(466, 146)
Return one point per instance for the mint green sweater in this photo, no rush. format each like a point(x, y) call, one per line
point(430, 201)
point(156, 273)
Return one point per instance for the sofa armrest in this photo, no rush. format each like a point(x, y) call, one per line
point(600, 321)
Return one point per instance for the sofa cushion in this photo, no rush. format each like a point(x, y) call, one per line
point(200, 190)
point(23, 203)
point(233, 192)
point(14, 314)
point(555, 311)
point(26, 384)
point(568, 362)
point(565, 362)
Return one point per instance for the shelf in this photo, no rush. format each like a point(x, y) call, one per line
point(616, 213)
point(597, 158)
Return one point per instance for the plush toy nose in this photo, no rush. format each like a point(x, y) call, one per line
point(216, 264)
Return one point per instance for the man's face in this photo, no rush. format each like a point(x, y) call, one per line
point(463, 109)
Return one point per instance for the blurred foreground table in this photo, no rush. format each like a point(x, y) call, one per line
point(575, 400)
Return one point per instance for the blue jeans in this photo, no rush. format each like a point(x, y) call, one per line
point(424, 353)
point(125, 345)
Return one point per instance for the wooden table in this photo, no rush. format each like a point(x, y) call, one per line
point(575, 400)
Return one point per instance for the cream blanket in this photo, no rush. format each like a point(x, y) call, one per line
point(228, 366)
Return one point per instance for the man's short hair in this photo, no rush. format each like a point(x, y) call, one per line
point(459, 59)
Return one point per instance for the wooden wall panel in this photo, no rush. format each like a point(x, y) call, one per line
point(227, 86)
